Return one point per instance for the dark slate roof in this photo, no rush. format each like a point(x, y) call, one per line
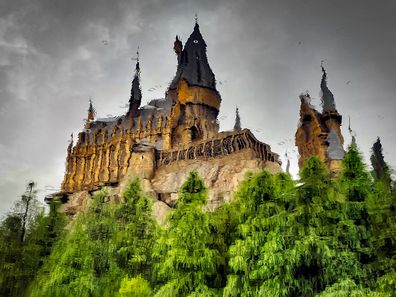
point(136, 92)
point(193, 65)
point(155, 108)
point(328, 102)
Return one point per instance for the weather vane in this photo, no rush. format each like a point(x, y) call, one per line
point(196, 18)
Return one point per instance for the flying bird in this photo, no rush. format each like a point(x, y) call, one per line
point(105, 42)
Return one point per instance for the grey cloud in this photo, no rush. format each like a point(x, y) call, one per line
point(266, 53)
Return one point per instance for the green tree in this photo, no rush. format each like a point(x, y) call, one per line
point(261, 202)
point(356, 187)
point(381, 170)
point(135, 232)
point(223, 224)
point(106, 243)
point(382, 217)
point(81, 262)
point(20, 250)
point(187, 262)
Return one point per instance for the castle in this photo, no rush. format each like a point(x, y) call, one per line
point(164, 140)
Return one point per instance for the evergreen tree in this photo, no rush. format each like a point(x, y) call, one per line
point(107, 243)
point(261, 201)
point(187, 262)
point(82, 262)
point(382, 214)
point(356, 188)
point(20, 251)
point(381, 170)
point(223, 224)
point(136, 232)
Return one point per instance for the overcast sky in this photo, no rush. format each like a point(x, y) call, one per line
point(55, 55)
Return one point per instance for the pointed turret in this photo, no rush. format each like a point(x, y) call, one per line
point(320, 133)
point(178, 48)
point(193, 63)
point(237, 125)
point(328, 102)
point(136, 93)
point(91, 115)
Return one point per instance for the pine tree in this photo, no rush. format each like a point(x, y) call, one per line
point(381, 170)
point(356, 187)
point(223, 224)
point(261, 201)
point(81, 263)
point(382, 215)
point(136, 232)
point(187, 262)
point(20, 252)
point(104, 245)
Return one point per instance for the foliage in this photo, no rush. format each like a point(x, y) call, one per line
point(381, 170)
point(107, 243)
point(322, 236)
point(26, 238)
point(187, 261)
point(135, 234)
point(261, 215)
point(135, 287)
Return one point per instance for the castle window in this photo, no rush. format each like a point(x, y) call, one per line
point(208, 149)
point(199, 150)
point(182, 155)
point(307, 118)
point(227, 148)
point(194, 133)
point(240, 142)
point(190, 153)
point(217, 148)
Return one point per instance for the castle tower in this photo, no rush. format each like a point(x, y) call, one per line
point(196, 101)
point(237, 125)
point(91, 115)
point(320, 133)
point(136, 93)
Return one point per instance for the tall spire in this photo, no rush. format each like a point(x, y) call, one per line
point(196, 18)
point(193, 65)
point(91, 115)
point(136, 92)
point(91, 111)
point(237, 125)
point(328, 102)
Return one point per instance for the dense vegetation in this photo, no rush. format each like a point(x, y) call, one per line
point(322, 235)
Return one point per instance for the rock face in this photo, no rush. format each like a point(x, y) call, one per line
point(222, 176)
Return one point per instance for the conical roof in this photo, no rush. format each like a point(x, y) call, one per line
point(193, 64)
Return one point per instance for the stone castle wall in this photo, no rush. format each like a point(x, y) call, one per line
point(222, 162)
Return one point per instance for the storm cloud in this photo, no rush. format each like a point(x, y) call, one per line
point(55, 55)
